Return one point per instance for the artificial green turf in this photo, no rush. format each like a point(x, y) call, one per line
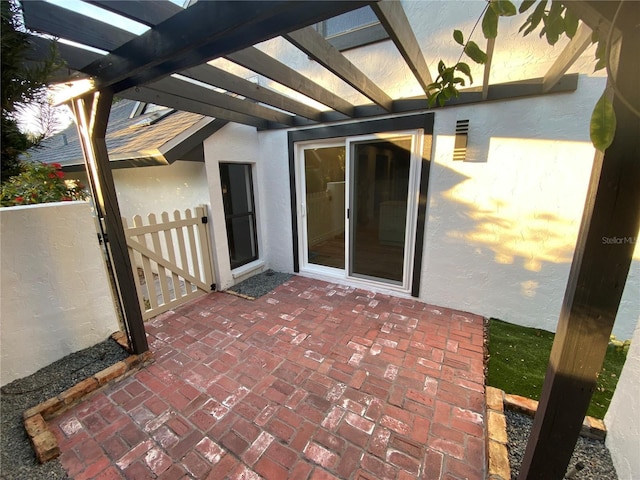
point(518, 358)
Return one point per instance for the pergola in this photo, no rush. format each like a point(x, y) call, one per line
point(183, 40)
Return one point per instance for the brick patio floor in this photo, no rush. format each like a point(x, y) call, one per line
point(313, 381)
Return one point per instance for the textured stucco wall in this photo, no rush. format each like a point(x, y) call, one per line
point(232, 143)
point(623, 417)
point(276, 195)
point(145, 190)
point(55, 296)
point(501, 227)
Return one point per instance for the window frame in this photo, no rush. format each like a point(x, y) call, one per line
point(251, 213)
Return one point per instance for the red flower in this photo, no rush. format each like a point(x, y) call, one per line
point(19, 199)
point(59, 174)
point(52, 175)
point(57, 166)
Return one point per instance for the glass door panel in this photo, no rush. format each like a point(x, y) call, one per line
point(378, 208)
point(324, 185)
point(237, 197)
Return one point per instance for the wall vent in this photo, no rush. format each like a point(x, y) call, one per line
point(460, 146)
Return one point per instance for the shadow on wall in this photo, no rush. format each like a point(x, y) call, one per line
point(501, 234)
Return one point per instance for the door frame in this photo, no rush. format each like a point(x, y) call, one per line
point(422, 121)
point(415, 165)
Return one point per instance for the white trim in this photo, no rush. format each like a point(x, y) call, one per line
point(247, 268)
point(343, 275)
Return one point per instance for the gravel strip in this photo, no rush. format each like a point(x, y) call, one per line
point(260, 284)
point(17, 460)
point(593, 455)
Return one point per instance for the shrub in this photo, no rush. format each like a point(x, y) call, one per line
point(40, 183)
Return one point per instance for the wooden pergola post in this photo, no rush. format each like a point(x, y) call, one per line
point(92, 115)
point(598, 274)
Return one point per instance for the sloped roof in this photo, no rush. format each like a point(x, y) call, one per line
point(156, 138)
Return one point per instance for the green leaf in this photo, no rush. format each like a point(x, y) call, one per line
point(459, 80)
point(534, 19)
point(490, 24)
point(451, 91)
point(433, 98)
point(526, 5)
point(474, 52)
point(441, 67)
point(503, 8)
point(458, 37)
point(464, 68)
point(570, 23)
point(603, 123)
point(554, 23)
point(447, 75)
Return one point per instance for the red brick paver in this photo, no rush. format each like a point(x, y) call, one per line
point(313, 381)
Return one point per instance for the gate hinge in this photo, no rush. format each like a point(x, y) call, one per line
point(205, 220)
point(102, 238)
point(213, 287)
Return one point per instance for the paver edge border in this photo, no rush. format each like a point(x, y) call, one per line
point(497, 453)
point(42, 439)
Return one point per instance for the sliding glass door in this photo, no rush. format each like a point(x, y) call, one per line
point(378, 208)
point(324, 207)
point(358, 208)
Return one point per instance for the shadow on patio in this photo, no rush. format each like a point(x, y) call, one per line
point(311, 381)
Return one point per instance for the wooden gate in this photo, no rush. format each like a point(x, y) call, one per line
point(171, 259)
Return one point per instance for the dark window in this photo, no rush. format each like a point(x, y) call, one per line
point(353, 29)
point(239, 212)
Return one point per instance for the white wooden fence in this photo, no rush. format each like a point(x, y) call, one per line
point(171, 259)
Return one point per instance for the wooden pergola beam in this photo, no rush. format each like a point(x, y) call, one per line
point(60, 22)
point(184, 89)
point(158, 97)
point(486, 73)
point(576, 46)
point(185, 40)
point(315, 45)
point(92, 115)
point(395, 22)
point(600, 266)
point(143, 11)
point(233, 83)
point(261, 63)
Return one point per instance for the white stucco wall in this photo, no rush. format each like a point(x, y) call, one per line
point(623, 417)
point(178, 186)
point(146, 190)
point(501, 227)
point(54, 293)
point(233, 143)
